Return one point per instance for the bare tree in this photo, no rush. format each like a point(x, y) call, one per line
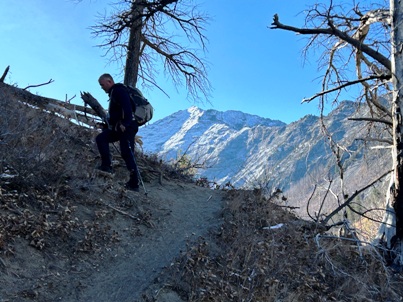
point(367, 40)
point(146, 34)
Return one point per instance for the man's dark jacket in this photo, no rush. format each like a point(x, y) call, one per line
point(120, 106)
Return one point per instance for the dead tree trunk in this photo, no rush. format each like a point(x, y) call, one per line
point(133, 48)
point(95, 105)
point(392, 226)
point(396, 8)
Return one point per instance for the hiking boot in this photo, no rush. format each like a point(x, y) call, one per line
point(107, 169)
point(132, 187)
point(133, 183)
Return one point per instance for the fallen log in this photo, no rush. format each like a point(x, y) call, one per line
point(81, 114)
point(89, 120)
point(95, 105)
point(40, 101)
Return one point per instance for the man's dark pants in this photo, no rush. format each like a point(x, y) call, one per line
point(126, 141)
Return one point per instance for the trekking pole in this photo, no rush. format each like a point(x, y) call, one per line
point(138, 170)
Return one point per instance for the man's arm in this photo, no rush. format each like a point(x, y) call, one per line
point(124, 99)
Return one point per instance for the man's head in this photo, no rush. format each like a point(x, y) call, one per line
point(106, 82)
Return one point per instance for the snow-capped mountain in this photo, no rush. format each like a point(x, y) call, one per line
point(248, 150)
point(215, 138)
point(173, 133)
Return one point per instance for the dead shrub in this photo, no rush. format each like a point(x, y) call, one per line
point(263, 253)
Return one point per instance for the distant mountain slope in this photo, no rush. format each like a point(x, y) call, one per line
point(173, 133)
point(251, 151)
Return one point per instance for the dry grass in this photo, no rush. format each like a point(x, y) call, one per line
point(47, 189)
point(246, 261)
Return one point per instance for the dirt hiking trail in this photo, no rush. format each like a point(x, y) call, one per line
point(176, 213)
point(69, 233)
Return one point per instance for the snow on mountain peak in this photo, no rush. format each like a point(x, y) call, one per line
point(194, 110)
point(209, 129)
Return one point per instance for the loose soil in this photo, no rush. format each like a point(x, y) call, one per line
point(148, 233)
point(69, 233)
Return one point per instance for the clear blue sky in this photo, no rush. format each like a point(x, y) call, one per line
point(253, 68)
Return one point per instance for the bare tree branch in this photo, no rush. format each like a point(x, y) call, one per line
point(4, 74)
point(351, 198)
point(38, 85)
point(331, 30)
point(364, 214)
point(350, 83)
point(371, 119)
point(369, 139)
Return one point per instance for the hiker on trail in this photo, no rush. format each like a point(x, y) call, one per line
point(120, 126)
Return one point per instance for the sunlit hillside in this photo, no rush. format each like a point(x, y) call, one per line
point(68, 233)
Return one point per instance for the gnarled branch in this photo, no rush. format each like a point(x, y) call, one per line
point(342, 35)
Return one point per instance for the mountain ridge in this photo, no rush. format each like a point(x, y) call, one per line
point(245, 149)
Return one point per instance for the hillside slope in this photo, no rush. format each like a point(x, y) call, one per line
point(68, 233)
